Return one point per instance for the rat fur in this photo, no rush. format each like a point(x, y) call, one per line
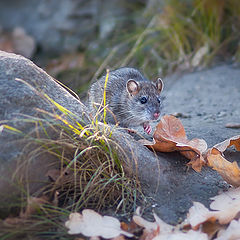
point(131, 99)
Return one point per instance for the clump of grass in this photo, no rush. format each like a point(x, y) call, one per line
point(183, 35)
point(90, 174)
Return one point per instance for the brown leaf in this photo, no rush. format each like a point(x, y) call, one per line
point(168, 133)
point(227, 143)
point(170, 136)
point(211, 228)
point(230, 172)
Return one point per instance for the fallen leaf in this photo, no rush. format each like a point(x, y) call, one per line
point(190, 235)
point(231, 233)
point(227, 205)
point(230, 172)
point(170, 136)
point(224, 208)
point(152, 229)
point(91, 224)
point(211, 228)
point(227, 143)
point(131, 227)
point(199, 214)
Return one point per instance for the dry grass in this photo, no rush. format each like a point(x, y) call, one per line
point(90, 173)
point(184, 35)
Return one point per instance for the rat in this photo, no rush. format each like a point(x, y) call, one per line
point(131, 99)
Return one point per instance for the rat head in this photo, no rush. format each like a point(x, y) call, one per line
point(144, 99)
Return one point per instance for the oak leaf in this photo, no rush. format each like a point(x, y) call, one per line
point(224, 208)
point(92, 224)
point(231, 233)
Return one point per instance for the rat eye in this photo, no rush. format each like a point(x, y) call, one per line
point(159, 100)
point(143, 100)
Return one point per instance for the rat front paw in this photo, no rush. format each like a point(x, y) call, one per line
point(147, 128)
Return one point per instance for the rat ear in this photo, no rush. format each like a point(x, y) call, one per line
point(159, 84)
point(132, 87)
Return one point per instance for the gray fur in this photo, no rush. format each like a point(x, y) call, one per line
point(126, 109)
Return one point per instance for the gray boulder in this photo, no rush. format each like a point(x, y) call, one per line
point(22, 85)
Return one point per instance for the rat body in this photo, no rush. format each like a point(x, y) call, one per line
point(131, 99)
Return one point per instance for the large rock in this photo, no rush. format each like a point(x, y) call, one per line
point(22, 85)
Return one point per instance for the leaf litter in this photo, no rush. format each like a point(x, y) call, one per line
point(221, 222)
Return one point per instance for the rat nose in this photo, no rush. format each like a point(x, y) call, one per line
point(156, 115)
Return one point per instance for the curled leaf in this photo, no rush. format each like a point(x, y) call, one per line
point(229, 171)
point(170, 136)
point(222, 146)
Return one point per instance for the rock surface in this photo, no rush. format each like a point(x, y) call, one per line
point(22, 84)
point(165, 179)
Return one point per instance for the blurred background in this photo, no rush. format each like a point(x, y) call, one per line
point(76, 40)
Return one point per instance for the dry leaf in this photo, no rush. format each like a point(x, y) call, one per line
point(211, 228)
point(231, 233)
point(230, 172)
point(152, 229)
point(227, 143)
point(170, 136)
point(225, 206)
point(159, 230)
point(199, 214)
point(91, 224)
point(190, 235)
